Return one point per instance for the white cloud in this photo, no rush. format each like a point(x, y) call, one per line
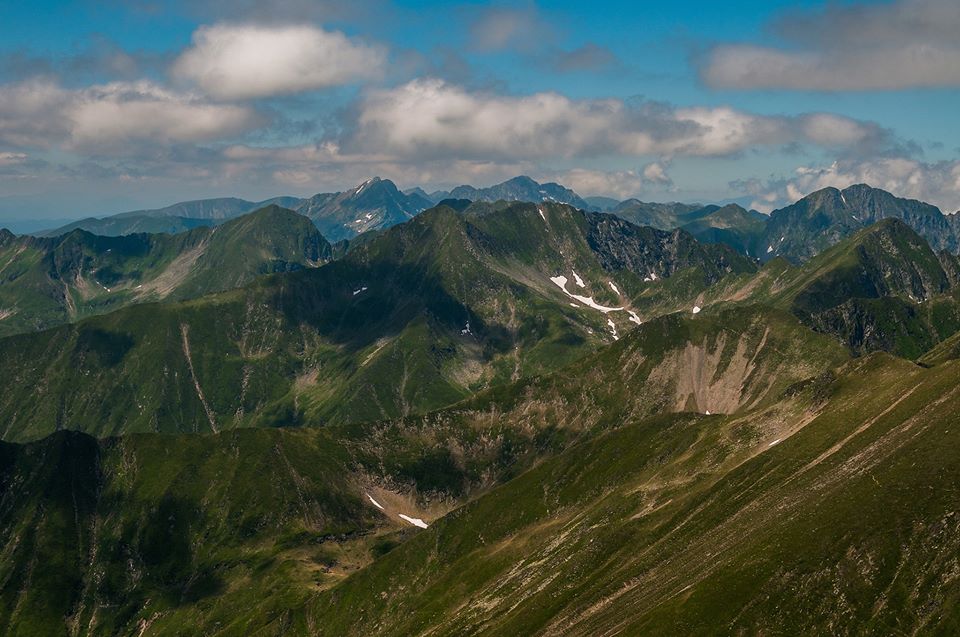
point(656, 173)
point(42, 114)
point(31, 114)
point(937, 183)
point(431, 118)
point(888, 46)
point(325, 165)
point(621, 184)
point(249, 61)
point(122, 111)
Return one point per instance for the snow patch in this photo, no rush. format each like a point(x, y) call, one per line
point(576, 277)
point(696, 309)
point(769, 249)
point(414, 521)
point(361, 187)
point(561, 282)
point(634, 318)
point(359, 290)
point(540, 210)
point(613, 286)
point(774, 442)
point(375, 503)
point(613, 329)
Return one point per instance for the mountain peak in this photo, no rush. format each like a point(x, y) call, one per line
point(520, 188)
point(829, 197)
point(521, 180)
point(371, 184)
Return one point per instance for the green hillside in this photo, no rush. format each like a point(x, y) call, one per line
point(811, 517)
point(568, 501)
point(415, 319)
point(499, 419)
point(50, 281)
point(883, 289)
point(732, 225)
point(123, 528)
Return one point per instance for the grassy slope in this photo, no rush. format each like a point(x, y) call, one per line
point(314, 345)
point(698, 525)
point(733, 226)
point(46, 282)
point(883, 289)
point(233, 532)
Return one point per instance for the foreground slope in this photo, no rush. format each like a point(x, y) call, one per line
point(231, 534)
point(832, 512)
point(558, 505)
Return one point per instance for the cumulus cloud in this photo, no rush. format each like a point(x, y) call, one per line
point(326, 165)
point(897, 45)
point(122, 111)
point(431, 118)
point(621, 184)
point(656, 173)
point(42, 114)
point(249, 61)
point(31, 114)
point(937, 183)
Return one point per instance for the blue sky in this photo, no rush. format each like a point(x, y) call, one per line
point(114, 105)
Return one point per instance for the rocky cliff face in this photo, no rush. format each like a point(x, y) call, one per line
point(824, 218)
point(621, 245)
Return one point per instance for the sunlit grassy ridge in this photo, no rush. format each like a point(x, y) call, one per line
point(413, 320)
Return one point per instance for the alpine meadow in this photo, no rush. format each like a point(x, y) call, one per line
point(413, 318)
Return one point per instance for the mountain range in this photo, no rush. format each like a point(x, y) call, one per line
point(483, 416)
point(374, 204)
point(796, 232)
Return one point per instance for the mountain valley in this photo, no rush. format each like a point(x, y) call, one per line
point(484, 417)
